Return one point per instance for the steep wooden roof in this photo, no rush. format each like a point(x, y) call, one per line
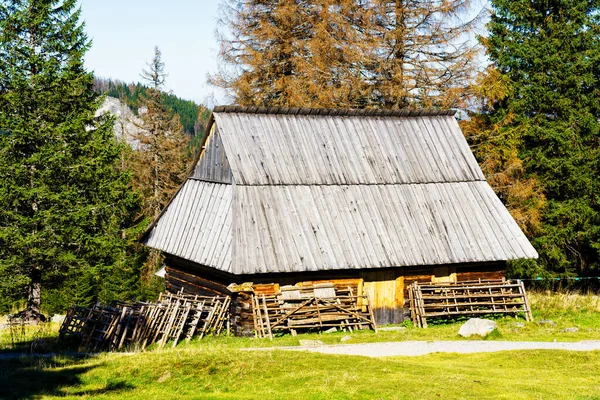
point(313, 149)
point(290, 190)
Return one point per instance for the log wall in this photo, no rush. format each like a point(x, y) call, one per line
point(386, 288)
point(177, 279)
point(241, 319)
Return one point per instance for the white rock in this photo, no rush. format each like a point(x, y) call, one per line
point(58, 318)
point(477, 326)
point(345, 338)
point(127, 125)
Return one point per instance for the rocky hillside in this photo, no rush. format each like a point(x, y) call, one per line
point(127, 125)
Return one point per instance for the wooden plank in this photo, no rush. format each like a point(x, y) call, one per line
point(528, 314)
point(258, 315)
point(220, 229)
point(193, 227)
point(345, 152)
point(324, 227)
point(350, 222)
point(413, 311)
point(196, 320)
point(200, 224)
point(440, 154)
point(179, 329)
point(344, 236)
point(373, 322)
point(212, 164)
point(399, 295)
point(267, 321)
point(177, 212)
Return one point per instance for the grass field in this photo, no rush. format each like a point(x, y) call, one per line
point(219, 372)
point(216, 368)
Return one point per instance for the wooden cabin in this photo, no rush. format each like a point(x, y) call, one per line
point(376, 198)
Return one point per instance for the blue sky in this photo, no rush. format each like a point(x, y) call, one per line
point(124, 33)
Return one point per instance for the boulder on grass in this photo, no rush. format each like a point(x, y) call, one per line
point(477, 326)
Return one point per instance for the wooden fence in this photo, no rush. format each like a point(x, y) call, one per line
point(317, 308)
point(137, 325)
point(468, 298)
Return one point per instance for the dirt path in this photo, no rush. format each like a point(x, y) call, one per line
point(419, 348)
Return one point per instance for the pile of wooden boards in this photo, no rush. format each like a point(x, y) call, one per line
point(137, 325)
point(468, 298)
point(318, 307)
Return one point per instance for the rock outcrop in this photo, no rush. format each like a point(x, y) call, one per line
point(127, 124)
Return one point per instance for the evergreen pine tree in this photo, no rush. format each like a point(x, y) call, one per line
point(549, 53)
point(64, 204)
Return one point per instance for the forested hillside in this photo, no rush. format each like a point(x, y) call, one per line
point(193, 116)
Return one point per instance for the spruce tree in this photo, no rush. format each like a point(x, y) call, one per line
point(64, 203)
point(549, 54)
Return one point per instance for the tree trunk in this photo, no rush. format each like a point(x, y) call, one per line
point(399, 86)
point(32, 313)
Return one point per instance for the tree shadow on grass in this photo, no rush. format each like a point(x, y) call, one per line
point(30, 377)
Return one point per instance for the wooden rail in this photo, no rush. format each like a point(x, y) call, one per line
point(294, 309)
point(467, 298)
point(137, 325)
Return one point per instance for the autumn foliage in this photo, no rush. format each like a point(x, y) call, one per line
point(346, 53)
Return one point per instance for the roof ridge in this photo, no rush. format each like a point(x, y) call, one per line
point(367, 112)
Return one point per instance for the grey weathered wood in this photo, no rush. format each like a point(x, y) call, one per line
point(330, 190)
point(278, 149)
point(212, 164)
point(267, 317)
point(334, 227)
point(193, 225)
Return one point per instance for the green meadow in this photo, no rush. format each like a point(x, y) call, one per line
point(219, 368)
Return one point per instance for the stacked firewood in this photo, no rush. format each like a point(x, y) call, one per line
point(320, 307)
point(467, 298)
point(137, 325)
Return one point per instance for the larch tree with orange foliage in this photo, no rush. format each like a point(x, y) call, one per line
point(422, 52)
point(161, 160)
point(347, 53)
